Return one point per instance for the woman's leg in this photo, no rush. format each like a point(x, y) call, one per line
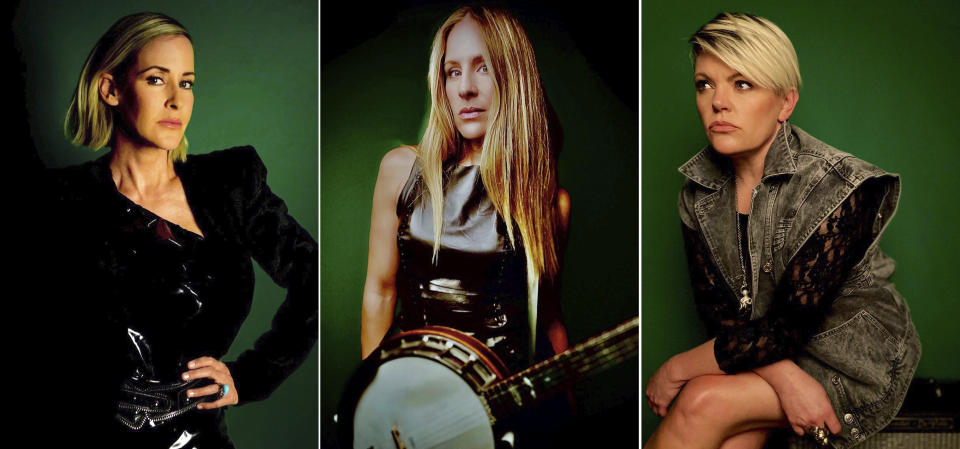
point(711, 409)
point(751, 439)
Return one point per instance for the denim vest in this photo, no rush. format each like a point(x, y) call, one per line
point(865, 352)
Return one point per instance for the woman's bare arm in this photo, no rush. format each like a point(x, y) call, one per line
point(550, 313)
point(379, 289)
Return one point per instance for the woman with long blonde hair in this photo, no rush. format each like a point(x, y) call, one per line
point(467, 228)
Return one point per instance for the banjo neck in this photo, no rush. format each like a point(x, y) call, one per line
point(553, 375)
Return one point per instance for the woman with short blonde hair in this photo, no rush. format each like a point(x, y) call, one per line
point(781, 234)
point(91, 122)
point(163, 242)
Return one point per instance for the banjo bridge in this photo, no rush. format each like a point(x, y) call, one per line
point(397, 441)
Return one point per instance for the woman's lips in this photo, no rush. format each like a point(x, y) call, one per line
point(723, 127)
point(175, 124)
point(470, 113)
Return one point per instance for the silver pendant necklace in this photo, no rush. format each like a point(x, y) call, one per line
point(745, 298)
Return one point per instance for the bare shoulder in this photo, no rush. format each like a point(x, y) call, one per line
point(399, 159)
point(563, 206)
point(394, 170)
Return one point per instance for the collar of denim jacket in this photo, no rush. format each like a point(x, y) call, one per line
point(712, 170)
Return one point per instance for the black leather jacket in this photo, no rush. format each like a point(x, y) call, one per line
point(110, 282)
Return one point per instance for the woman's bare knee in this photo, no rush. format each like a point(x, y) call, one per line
point(727, 404)
point(701, 402)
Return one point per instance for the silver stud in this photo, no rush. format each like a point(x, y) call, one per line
point(848, 418)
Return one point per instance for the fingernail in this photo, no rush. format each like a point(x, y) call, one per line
point(190, 393)
point(186, 376)
point(200, 406)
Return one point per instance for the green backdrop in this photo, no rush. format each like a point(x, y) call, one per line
point(878, 81)
point(256, 67)
point(374, 97)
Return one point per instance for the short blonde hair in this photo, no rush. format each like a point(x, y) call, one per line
point(90, 121)
point(753, 46)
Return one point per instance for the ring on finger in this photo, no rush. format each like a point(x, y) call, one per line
point(818, 434)
point(224, 390)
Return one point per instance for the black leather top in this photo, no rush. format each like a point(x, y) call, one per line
point(478, 284)
point(137, 297)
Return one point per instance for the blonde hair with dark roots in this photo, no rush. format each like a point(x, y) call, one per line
point(753, 46)
point(90, 121)
point(517, 165)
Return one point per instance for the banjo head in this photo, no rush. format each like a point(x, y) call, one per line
point(420, 390)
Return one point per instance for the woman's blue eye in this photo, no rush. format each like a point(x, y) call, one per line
point(453, 72)
point(154, 80)
point(701, 85)
point(484, 69)
point(743, 85)
point(186, 84)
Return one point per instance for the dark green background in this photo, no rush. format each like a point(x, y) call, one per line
point(879, 81)
point(374, 97)
point(256, 84)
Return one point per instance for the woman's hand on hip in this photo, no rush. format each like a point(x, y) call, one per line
point(663, 387)
point(216, 370)
point(806, 404)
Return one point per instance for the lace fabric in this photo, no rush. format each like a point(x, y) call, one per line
point(801, 299)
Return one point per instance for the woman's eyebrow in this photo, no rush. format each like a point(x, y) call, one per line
point(735, 75)
point(162, 69)
point(476, 60)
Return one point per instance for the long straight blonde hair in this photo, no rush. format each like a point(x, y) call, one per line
point(518, 164)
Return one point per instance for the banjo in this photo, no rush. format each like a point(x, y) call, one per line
point(438, 388)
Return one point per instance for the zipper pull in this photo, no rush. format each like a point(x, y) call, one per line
point(745, 299)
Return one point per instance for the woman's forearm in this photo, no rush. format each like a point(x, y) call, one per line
point(376, 316)
point(780, 375)
point(701, 360)
point(695, 362)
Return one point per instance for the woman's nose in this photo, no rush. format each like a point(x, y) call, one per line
point(721, 99)
point(173, 97)
point(468, 86)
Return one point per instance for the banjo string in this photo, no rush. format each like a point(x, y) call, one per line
point(582, 361)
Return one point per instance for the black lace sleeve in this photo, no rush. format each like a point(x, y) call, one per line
point(710, 294)
point(806, 290)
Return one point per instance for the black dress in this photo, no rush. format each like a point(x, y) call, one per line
point(478, 282)
point(146, 296)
